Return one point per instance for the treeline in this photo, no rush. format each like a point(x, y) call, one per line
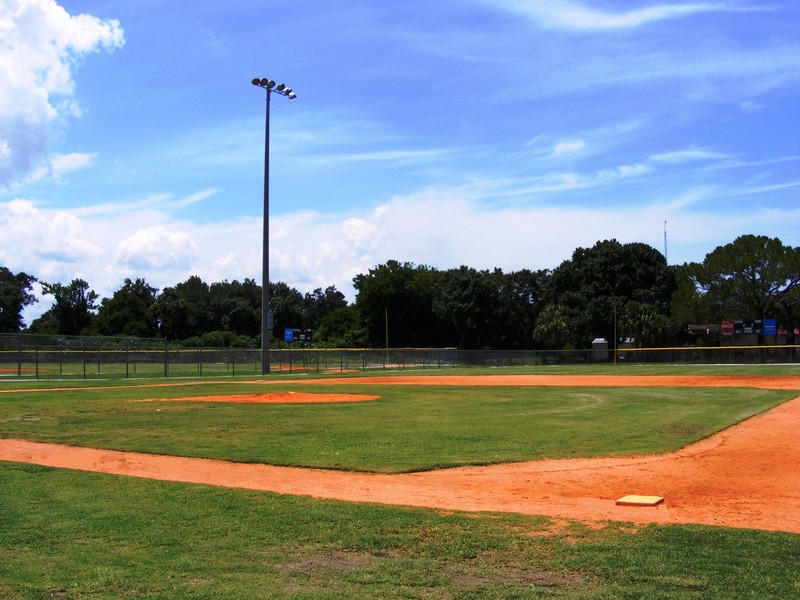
point(608, 290)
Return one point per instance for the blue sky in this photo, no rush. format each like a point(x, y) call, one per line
point(487, 133)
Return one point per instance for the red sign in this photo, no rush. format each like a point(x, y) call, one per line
point(727, 328)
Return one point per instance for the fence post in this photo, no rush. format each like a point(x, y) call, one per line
point(166, 359)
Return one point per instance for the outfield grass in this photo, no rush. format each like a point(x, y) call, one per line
point(79, 535)
point(66, 534)
point(410, 428)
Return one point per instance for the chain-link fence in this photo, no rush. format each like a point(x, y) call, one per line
point(86, 357)
point(771, 354)
point(43, 356)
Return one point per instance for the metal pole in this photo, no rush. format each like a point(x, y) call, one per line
point(282, 90)
point(265, 254)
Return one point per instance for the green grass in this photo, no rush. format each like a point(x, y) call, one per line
point(410, 428)
point(76, 535)
point(81, 535)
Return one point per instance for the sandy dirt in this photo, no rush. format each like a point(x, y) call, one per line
point(272, 398)
point(746, 476)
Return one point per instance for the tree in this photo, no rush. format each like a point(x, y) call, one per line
point(342, 329)
point(750, 278)
point(72, 313)
point(553, 325)
point(319, 304)
point(15, 295)
point(183, 311)
point(235, 306)
point(467, 301)
point(130, 311)
point(599, 282)
point(644, 323)
point(520, 298)
point(398, 297)
point(687, 305)
point(286, 304)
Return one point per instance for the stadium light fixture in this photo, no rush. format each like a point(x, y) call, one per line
point(266, 327)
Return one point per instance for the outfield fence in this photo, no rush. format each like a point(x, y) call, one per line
point(771, 354)
point(86, 357)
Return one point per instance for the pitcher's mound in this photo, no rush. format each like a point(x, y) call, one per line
point(274, 398)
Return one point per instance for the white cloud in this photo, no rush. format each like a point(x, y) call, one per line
point(690, 154)
point(767, 188)
point(151, 202)
point(58, 165)
point(564, 14)
point(196, 197)
point(361, 233)
point(156, 248)
point(586, 143)
point(565, 181)
point(568, 147)
point(399, 156)
point(442, 228)
point(41, 43)
point(30, 235)
point(751, 106)
point(64, 163)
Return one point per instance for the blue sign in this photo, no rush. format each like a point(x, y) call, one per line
point(770, 327)
point(297, 335)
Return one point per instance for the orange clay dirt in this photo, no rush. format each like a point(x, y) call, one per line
point(746, 476)
point(273, 398)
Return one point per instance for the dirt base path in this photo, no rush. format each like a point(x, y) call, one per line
point(746, 476)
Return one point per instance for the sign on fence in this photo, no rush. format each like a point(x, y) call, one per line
point(297, 335)
point(770, 327)
point(765, 326)
point(747, 327)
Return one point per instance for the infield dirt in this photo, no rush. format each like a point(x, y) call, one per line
point(746, 476)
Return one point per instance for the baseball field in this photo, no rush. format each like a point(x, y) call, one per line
point(496, 483)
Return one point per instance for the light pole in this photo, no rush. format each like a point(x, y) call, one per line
point(266, 326)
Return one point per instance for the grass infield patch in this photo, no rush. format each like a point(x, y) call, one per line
point(410, 428)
